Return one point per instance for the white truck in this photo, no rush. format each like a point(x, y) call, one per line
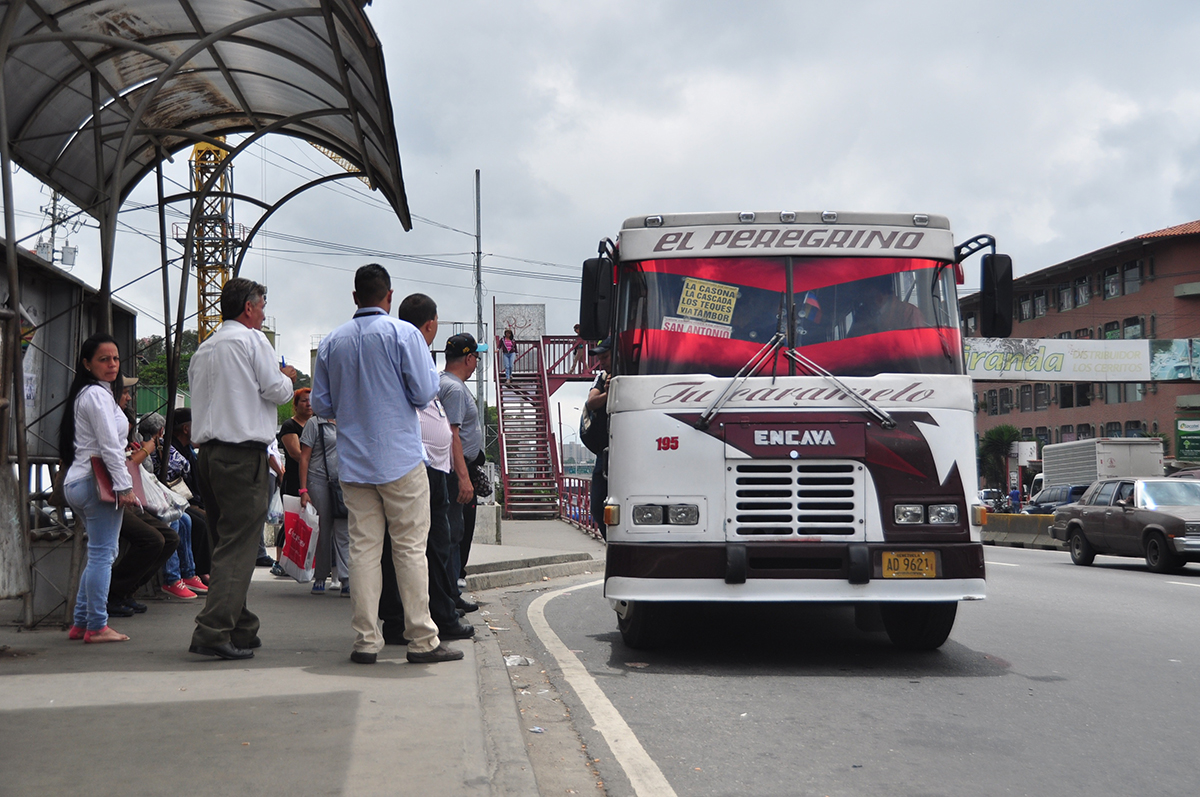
point(1085, 461)
point(790, 419)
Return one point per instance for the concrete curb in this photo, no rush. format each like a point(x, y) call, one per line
point(507, 757)
point(528, 575)
point(525, 562)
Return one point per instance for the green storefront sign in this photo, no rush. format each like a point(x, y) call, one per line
point(1187, 440)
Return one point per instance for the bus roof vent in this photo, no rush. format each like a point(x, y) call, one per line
point(787, 216)
point(746, 217)
point(654, 221)
point(920, 220)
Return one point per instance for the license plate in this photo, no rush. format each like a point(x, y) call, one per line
point(909, 564)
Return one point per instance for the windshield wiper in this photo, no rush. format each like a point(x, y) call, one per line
point(885, 420)
point(748, 370)
point(941, 322)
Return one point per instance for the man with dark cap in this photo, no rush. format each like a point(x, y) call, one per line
point(466, 452)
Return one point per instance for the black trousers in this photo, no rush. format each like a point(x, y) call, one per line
point(437, 554)
point(599, 491)
point(146, 544)
point(234, 481)
point(201, 540)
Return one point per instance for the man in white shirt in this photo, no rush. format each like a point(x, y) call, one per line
point(421, 311)
point(236, 387)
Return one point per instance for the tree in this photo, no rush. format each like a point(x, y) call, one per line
point(152, 359)
point(993, 453)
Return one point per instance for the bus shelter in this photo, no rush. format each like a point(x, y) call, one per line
point(96, 94)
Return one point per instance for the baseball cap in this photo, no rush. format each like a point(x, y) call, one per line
point(602, 347)
point(462, 344)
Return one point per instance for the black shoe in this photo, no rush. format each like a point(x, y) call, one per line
point(119, 610)
point(438, 654)
point(457, 631)
point(225, 650)
point(138, 608)
point(362, 657)
point(466, 605)
point(264, 561)
point(251, 645)
point(459, 612)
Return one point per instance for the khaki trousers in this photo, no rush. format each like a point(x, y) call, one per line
point(401, 510)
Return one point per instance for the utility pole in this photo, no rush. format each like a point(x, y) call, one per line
point(58, 218)
point(479, 306)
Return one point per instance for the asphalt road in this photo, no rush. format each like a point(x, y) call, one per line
point(1066, 681)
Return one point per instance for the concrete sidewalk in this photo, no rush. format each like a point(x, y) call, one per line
point(147, 717)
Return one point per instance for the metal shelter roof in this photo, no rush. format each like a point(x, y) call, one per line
point(159, 75)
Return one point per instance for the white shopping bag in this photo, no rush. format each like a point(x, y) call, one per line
point(301, 527)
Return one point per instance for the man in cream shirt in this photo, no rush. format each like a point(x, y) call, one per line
point(236, 387)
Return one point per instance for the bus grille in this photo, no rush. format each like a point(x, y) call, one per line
point(802, 498)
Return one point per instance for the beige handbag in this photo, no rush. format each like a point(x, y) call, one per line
point(179, 487)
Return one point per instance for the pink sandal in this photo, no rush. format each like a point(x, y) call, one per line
point(76, 632)
point(105, 634)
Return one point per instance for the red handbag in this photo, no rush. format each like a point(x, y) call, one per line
point(104, 481)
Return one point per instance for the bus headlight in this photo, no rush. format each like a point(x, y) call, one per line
point(671, 515)
point(683, 514)
point(647, 515)
point(910, 513)
point(943, 513)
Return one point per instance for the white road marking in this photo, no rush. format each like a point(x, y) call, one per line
point(1003, 564)
point(1184, 583)
point(644, 775)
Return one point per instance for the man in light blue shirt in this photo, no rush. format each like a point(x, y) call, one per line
point(372, 374)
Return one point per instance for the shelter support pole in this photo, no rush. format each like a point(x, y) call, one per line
point(12, 413)
point(107, 217)
point(168, 349)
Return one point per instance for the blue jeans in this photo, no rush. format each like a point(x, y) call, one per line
point(103, 523)
point(181, 564)
point(509, 357)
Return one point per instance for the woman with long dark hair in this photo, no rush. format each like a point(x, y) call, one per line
point(93, 426)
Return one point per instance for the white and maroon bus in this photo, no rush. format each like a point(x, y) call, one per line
point(789, 415)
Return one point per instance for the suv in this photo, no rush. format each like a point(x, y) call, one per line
point(1155, 518)
point(1045, 502)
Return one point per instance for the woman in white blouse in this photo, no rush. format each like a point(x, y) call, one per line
point(93, 426)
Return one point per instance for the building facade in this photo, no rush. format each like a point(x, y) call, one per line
point(1144, 287)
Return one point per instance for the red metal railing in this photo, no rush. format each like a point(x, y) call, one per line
point(561, 366)
point(528, 360)
point(575, 504)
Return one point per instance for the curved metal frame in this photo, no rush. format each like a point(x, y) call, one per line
point(237, 266)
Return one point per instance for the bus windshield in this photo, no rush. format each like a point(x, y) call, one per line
point(853, 316)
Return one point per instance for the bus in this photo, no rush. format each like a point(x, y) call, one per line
point(790, 419)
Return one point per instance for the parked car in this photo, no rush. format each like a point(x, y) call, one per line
point(1045, 502)
point(1158, 519)
point(992, 499)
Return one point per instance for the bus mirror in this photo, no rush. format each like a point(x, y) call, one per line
point(995, 305)
point(595, 298)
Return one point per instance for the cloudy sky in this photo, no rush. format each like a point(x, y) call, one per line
point(1059, 127)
